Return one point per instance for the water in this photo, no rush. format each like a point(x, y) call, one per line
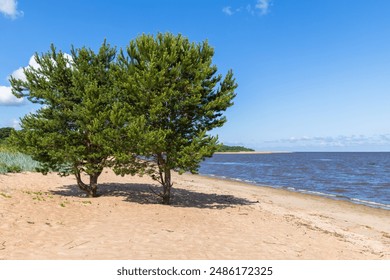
point(362, 178)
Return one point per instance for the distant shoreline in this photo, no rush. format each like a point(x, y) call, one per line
point(254, 152)
point(353, 201)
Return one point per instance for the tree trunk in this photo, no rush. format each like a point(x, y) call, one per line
point(165, 178)
point(166, 196)
point(91, 189)
point(93, 184)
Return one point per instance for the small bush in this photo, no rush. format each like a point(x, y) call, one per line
point(14, 169)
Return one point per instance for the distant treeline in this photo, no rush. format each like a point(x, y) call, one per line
point(225, 148)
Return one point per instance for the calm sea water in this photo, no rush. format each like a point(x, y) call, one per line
point(362, 178)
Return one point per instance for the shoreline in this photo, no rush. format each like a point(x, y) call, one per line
point(370, 204)
point(287, 193)
point(48, 217)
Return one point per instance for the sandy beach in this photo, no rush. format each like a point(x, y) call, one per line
point(47, 217)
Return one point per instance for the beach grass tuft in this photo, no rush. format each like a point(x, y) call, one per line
point(16, 162)
point(5, 195)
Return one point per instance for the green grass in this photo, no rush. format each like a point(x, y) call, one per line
point(15, 162)
point(86, 202)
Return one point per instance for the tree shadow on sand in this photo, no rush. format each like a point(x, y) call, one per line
point(143, 194)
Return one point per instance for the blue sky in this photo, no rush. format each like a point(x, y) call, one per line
point(312, 75)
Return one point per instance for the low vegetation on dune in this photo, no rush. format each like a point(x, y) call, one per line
point(12, 161)
point(15, 162)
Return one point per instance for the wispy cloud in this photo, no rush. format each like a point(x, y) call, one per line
point(15, 124)
point(263, 6)
point(260, 7)
point(9, 8)
point(228, 10)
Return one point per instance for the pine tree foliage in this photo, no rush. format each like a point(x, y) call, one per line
point(147, 110)
point(72, 129)
point(174, 85)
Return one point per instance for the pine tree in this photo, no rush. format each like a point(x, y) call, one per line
point(75, 129)
point(173, 84)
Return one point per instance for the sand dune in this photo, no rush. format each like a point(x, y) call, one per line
point(47, 217)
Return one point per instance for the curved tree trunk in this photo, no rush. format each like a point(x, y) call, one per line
point(91, 189)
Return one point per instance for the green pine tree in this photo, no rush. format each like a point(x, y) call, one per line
point(173, 84)
point(76, 128)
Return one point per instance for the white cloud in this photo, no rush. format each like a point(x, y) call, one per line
point(7, 98)
point(228, 10)
point(19, 73)
point(263, 6)
point(9, 8)
point(67, 56)
point(15, 124)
